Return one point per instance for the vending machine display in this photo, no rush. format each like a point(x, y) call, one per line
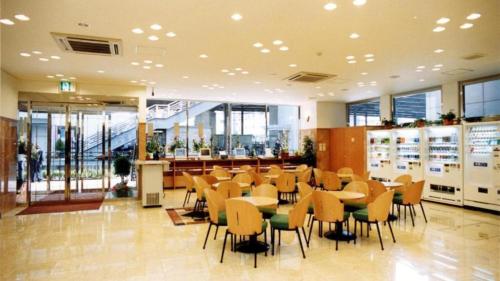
point(482, 165)
point(407, 151)
point(379, 154)
point(443, 164)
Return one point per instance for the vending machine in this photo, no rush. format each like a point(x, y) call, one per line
point(379, 154)
point(482, 165)
point(407, 153)
point(443, 165)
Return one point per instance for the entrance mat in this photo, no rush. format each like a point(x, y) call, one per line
point(60, 208)
point(186, 216)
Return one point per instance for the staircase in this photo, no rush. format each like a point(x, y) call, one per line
point(122, 134)
point(165, 116)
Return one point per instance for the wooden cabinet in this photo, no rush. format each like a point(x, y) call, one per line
point(348, 149)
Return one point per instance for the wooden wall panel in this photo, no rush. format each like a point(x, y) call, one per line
point(8, 163)
point(348, 148)
point(141, 141)
point(323, 149)
point(337, 148)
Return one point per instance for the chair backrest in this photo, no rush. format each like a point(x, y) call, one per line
point(301, 167)
point(243, 218)
point(358, 186)
point(215, 203)
point(331, 181)
point(366, 175)
point(234, 189)
point(297, 215)
point(379, 209)
point(224, 188)
point(219, 173)
point(247, 168)
point(327, 207)
point(318, 176)
point(355, 177)
point(256, 178)
point(188, 179)
point(345, 170)
point(305, 175)
point(275, 170)
point(404, 179)
point(209, 179)
point(217, 167)
point(376, 188)
point(304, 189)
point(242, 178)
point(200, 185)
point(413, 193)
point(285, 182)
point(266, 190)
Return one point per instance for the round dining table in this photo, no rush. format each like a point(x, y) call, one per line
point(223, 178)
point(391, 184)
point(273, 176)
point(258, 201)
point(339, 232)
point(242, 184)
point(237, 171)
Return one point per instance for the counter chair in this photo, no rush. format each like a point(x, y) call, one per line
point(188, 179)
point(286, 185)
point(216, 212)
point(291, 222)
point(266, 190)
point(331, 182)
point(411, 197)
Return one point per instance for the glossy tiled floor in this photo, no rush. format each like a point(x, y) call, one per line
point(123, 241)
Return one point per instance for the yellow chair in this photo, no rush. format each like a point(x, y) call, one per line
point(189, 187)
point(209, 179)
point(377, 211)
point(229, 189)
point(345, 170)
point(217, 167)
point(329, 209)
point(356, 204)
point(274, 170)
point(220, 173)
point(355, 177)
point(200, 185)
point(301, 168)
point(366, 175)
point(258, 179)
point(331, 182)
point(244, 219)
point(304, 190)
point(247, 168)
point(216, 212)
point(406, 180)
point(286, 185)
point(291, 222)
point(376, 188)
point(411, 197)
point(318, 180)
point(305, 175)
point(266, 190)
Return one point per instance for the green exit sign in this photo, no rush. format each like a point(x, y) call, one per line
point(66, 87)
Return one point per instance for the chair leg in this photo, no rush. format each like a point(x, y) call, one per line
point(309, 220)
point(265, 240)
point(367, 229)
point(423, 212)
point(355, 225)
point(224, 245)
point(300, 242)
point(255, 254)
point(305, 236)
point(216, 230)
point(405, 212)
point(185, 199)
point(414, 212)
point(379, 236)
point(206, 237)
point(232, 243)
point(392, 233)
point(411, 215)
point(361, 228)
point(279, 237)
point(272, 240)
point(310, 231)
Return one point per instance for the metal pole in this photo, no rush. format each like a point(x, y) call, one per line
point(28, 155)
point(49, 149)
point(67, 155)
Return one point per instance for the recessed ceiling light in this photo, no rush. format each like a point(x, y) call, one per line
point(330, 6)
point(321, 94)
point(421, 67)
point(292, 65)
point(148, 61)
point(370, 60)
point(72, 78)
point(159, 65)
point(203, 56)
point(364, 73)
point(137, 31)
point(238, 69)
point(442, 20)
point(59, 75)
point(146, 67)
point(171, 34)
point(438, 51)
point(277, 42)
point(224, 70)
point(155, 26)
point(185, 77)
point(55, 57)
point(349, 57)
point(317, 87)
point(351, 61)
point(133, 81)
point(25, 55)
point(144, 80)
point(265, 51)
point(283, 48)
point(421, 80)
point(244, 72)
point(436, 69)
point(43, 59)
point(6, 21)
point(359, 2)
point(466, 25)
point(438, 65)
point(152, 82)
point(258, 45)
point(473, 16)
point(369, 56)
point(231, 74)
point(134, 63)
point(50, 76)
point(22, 17)
point(439, 29)
point(100, 71)
point(331, 94)
point(354, 36)
point(236, 17)
point(37, 52)
point(153, 38)
point(257, 82)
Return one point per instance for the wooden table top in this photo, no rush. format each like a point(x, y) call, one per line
point(272, 176)
point(391, 184)
point(223, 178)
point(242, 185)
point(258, 201)
point(347, 195)
point(237, 171)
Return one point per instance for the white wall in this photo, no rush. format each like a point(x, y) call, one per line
point(331, 114)
point(308, 111)
point(450, 97)
point(8, 95)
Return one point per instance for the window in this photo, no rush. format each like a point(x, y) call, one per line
point(364, 113)
point(482, 98)
point(419, 105)
point(283, 127)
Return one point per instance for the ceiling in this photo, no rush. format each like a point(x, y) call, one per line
point(399, 33)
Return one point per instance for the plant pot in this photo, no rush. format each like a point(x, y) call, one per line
point(447, 122)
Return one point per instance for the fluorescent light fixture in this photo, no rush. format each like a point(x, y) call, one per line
point(443, 21)
point(330, 6)
point(6, 21)
point(137, 31)
point(155, 26)
point(22, 17)
point(473, 16)
point(466, 25)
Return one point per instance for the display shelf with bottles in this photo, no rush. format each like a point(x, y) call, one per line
point(380, 148)
point(443, 149)
point(483, 140)
point(407, 149)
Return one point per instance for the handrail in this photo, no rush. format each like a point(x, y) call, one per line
point(167, 110)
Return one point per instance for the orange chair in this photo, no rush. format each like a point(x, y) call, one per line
point(411, 197)
point(286, 185)
point(331, 181)
point(189, 187)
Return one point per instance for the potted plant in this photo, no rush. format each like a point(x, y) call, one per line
point(151, 148)
point(420, 122)
point(388, 124)
point(59, 146)
point(176, 144)
point(308, 156)
point(448, 118)
point(122, 168)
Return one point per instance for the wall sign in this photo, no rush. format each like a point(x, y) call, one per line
point(66, 87)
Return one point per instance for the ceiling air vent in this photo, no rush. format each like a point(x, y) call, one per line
point(309, 77)
point(88, 44)
point(457, 71)
point(473, 56)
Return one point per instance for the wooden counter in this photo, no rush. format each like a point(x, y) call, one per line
point(172, 178)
